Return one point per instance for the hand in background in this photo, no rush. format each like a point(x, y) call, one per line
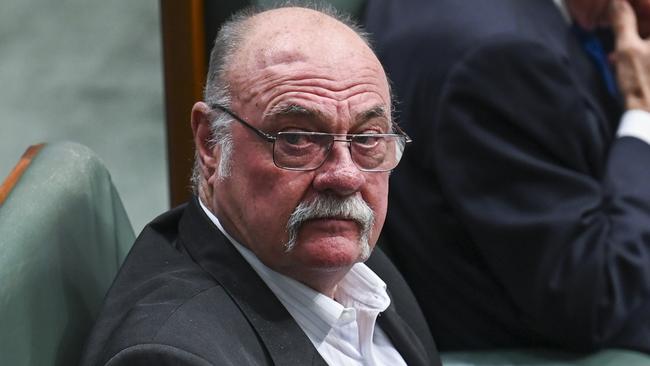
point(631, 57)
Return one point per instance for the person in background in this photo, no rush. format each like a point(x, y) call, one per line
point(521, 215)
point(265, 265)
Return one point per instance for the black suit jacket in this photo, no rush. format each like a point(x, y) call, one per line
point(516, 215)
point(185, 296)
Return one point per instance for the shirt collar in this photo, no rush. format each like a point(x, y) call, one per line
point(315, 313)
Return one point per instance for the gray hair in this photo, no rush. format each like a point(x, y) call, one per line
point(217, 90)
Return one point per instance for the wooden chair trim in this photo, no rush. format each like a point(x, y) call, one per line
point(184, 55)
point(18, 170)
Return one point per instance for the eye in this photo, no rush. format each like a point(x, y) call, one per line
point(367, 140)
point(294, 138)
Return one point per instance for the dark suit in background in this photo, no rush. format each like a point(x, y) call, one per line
point(185, 296)
point(518, 218)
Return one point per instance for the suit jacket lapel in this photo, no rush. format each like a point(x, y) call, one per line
point(403, 338)
point(286, 343)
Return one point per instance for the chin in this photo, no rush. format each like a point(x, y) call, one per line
point(335, 254)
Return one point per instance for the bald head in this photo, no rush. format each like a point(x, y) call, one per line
point(298, 39)
point(295, 35)
point(251, 31)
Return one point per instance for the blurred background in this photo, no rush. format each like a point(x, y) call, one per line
point(117, 76)
point(88, 71)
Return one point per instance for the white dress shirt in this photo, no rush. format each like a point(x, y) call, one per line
point(343, 331)
point(634, 122)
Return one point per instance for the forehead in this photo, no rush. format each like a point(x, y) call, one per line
point(303, 57)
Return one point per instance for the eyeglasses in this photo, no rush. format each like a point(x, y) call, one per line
point(298, 150)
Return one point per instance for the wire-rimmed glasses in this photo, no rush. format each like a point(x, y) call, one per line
point(304, 150)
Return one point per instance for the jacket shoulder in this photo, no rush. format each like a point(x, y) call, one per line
point(207, 328)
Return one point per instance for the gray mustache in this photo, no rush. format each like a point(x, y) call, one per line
point(331, 206)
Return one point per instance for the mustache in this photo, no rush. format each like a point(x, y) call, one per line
point(331, 206)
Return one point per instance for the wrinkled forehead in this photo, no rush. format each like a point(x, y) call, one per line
point(297, 38)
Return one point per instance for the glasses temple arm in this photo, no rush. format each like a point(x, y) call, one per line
point(260, 133)
point(401, 132)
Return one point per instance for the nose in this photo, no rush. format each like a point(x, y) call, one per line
point(339, 174)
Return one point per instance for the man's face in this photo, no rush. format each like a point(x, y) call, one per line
point(323, 80)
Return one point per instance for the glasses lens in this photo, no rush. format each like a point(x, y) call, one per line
point(301, 150)
point(377, 153)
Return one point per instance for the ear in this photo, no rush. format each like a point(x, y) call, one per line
point(202, 134)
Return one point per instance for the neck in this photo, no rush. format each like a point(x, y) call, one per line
point(323, 281)
point(204, 192)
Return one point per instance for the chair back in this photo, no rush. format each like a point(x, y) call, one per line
point(545, 357)
point(63, 236)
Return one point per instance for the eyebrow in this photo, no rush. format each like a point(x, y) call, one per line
point(378, 111)
point(293, 110)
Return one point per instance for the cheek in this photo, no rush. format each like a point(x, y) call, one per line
point(377, 197)
point(380, 215)
point(261, 192)
point(275, 193)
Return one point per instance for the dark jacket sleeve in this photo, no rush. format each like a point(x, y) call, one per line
point(558, 207)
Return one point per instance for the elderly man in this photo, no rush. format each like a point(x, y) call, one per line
point(526, 193)
point(294, 144)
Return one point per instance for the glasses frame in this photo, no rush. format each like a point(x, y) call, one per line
point(346, 138)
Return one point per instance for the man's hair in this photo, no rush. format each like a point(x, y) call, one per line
point(217, 90)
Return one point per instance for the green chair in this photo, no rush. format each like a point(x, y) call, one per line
point(545, 357)
point(63, 236)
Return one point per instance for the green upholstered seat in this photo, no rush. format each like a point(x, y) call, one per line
point(612, 357)
point(63, 235)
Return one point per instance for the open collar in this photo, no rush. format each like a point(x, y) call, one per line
point(286, 343)
point(282, 337)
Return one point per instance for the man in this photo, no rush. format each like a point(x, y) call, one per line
point(521, 215)
point(294, 145)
